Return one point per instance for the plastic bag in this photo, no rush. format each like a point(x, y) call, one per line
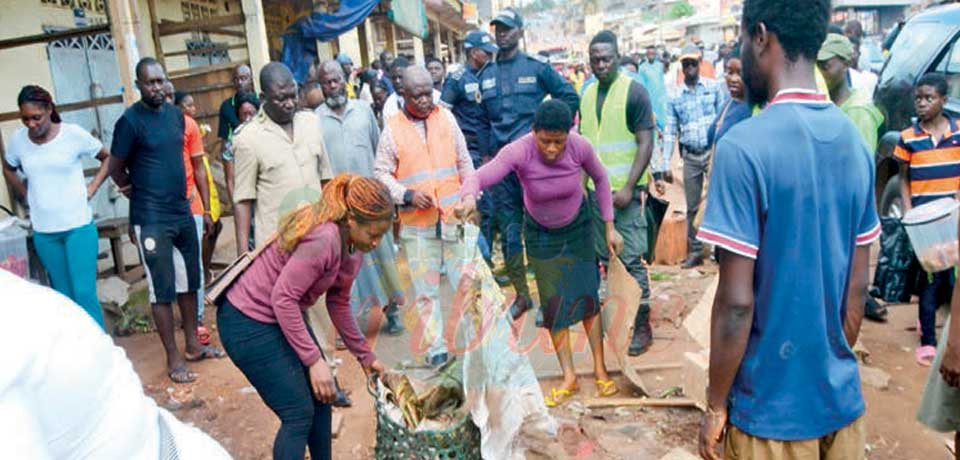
point(500, 385)
point(896, 275)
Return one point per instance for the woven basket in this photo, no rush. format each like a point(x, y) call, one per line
point(397, 442)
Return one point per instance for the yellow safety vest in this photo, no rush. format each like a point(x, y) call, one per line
point(612, 140)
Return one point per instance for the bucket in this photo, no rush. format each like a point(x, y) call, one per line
point(932, 228)
point(14, 257)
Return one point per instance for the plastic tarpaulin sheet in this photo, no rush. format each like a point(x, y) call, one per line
point(501, 388)
point(300, 39)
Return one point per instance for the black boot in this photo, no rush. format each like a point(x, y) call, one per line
point(642, 336)
point(693, 260)
point(520, 306)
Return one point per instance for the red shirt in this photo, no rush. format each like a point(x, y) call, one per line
point(279, 286)
point(192, 148)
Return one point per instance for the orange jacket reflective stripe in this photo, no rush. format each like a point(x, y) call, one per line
point(430, 167)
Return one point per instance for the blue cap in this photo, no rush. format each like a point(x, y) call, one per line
point(343, 59)
point(479, 39)
point(508, 17)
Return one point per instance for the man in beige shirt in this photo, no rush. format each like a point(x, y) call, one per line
point(281, 162)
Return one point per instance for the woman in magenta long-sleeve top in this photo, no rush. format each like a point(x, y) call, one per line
point(318, 250)
point(550, 163)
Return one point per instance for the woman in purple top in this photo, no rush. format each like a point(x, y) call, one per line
point(550, 163)
point(318, 250)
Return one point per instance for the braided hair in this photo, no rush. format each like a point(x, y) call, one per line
point(363, 198)
point(36, 95)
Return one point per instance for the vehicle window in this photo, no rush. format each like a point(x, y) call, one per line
point(905, 62)
point(950, 66)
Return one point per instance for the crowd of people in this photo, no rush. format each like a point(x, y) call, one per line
point(330, 177)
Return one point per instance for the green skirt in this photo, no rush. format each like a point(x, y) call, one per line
point(565, 264)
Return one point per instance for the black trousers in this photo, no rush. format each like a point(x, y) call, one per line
point(272, 366)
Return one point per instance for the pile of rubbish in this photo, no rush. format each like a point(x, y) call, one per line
point(431, 405)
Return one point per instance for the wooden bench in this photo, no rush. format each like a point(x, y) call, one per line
point(115, 229)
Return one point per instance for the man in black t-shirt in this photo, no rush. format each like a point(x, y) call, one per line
point(147, 162)
point(617, 119)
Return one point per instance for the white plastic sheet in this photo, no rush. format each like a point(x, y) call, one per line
point(501, 388)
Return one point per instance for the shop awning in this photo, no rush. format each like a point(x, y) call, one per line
point(410, 16)
point(300, 39)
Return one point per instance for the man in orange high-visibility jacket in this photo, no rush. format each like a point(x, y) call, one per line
point(423, 158)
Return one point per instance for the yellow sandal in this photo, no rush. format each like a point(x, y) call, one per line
point(558, 396)
point(606, 388)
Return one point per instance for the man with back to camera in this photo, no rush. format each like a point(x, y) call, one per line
point(784, 381)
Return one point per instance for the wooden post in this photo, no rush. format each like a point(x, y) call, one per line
point(418, 51)
point(391, 44)
point(437, 43)
point(122, 28)
point(452, 46)
point(363, 39)
point(155, 31)
point(258, 48)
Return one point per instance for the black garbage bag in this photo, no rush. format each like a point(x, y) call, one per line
point(653, 211)
point(896, 277)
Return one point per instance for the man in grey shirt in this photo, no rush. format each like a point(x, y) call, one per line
point(350, 134)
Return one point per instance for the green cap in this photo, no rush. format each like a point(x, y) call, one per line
point(835, 45)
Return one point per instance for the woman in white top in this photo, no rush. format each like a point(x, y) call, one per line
point(49, 153)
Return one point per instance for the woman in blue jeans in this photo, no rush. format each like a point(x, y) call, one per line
point(50, 155)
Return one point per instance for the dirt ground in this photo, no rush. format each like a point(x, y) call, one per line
point(223, 404)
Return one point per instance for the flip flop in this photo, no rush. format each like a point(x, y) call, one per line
point(558, 396)
point(925, 355)
point(606, 388)
point(206, 352)
point(180, 374)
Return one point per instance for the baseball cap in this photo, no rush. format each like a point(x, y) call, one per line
point(344, 59)
point(835, 45)
point(508, 17)
point(479, 39)
point(690, 51)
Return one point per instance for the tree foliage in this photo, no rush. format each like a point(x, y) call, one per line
point(680, 10)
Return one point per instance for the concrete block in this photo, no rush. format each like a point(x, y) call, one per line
point(695, 377)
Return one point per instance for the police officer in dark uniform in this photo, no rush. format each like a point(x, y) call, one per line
point(461, 94)
point(511, 92)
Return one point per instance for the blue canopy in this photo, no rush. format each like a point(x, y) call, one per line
point(300, 39)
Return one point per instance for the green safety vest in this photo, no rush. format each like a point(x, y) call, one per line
point(612, 140)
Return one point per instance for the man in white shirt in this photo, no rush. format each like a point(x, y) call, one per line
point(73, 394)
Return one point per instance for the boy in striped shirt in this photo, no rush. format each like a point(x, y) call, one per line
point(929, 155)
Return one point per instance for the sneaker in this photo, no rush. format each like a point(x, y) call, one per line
point(342, 399)
point(438, 360)
point(393, 325)
point(874, 311)
point(642, 339)
point(203, 335)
